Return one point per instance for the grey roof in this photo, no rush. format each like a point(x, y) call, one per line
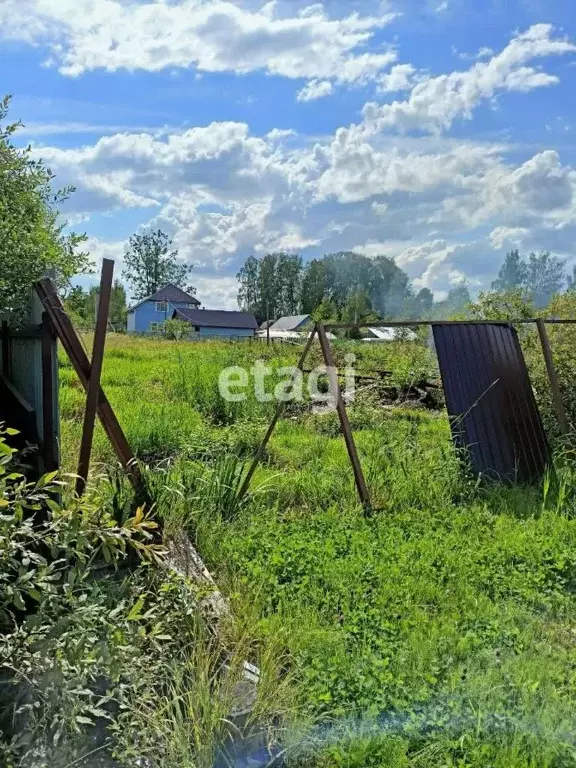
point(217, 318)
point(170, 293)
point(290, 323)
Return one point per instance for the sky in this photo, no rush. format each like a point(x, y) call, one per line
point(441, 133)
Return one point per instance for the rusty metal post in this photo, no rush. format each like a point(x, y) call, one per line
point(343, 416)
point(277, 413)
point(93, 390)
point(73, 348)
point(49, 452)
point(552, 376)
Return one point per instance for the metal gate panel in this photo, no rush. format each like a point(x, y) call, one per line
point(489, 398)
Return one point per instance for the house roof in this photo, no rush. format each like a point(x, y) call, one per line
point(170, 293)
point(217, 318)
point(290, 323)
point(263, 334)
point(389, 334)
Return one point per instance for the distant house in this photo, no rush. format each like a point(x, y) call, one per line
point(149, 314)
point(217, 322)
point(289, 328)
point(291, 323)
point(389, 334)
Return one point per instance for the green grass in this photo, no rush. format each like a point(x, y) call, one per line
point(438, 631)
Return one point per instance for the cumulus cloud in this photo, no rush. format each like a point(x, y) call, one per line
point(444, 207)
point(222, 193)
point(315, 89)
point(216, 291)
point(436, 102)
point(209, 35)
point(400, 78)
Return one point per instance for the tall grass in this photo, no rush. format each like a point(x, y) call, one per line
point(440, 631)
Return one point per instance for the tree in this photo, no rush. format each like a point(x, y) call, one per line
point(75, 300)
point(118, 307)
point(346, 273)
point(116, 312)
point(270, 286)
point(572, 281)
point(176, 330)
point(31, 238)
point(455, 304)
point(313, 288)
point(546, 277)
point(289, 279)
point(249, 290)
point(150, 264)
point(513, 304)
point(542, 276)
point(423, 303)
point(513, 273)
point(357, 308)
point(325, 311)
point(391, 290)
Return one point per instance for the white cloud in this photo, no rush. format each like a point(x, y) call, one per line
point(507, 237)
point(358, 171)
point(400, 78)
point(276, 134)
point(65, 128)
point(483, 53)
point(315, 89)
point(222, 193)
point(216, 292)
point(436, 102)
point(218, 163)
point(209, 35)
point(444, 207)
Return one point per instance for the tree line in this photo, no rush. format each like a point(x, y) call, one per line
point(351, 287)
point(344, 285)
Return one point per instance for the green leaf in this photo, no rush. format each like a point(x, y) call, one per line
point(84, 720)
point(135, 611)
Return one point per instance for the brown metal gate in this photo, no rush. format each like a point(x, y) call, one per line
point(490, 402)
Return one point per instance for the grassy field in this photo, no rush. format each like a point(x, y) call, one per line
point(438, 631)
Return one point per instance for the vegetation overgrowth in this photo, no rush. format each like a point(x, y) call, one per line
point(440, 630)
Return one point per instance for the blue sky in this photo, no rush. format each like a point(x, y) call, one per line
point(439, 132)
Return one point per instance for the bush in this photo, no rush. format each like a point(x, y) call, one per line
point(55, 608)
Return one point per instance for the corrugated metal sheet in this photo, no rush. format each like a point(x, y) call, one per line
point(490, 400)
point(25, 367)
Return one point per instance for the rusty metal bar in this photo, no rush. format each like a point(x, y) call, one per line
point(552, 377)
point(343, 416)
point(277, 413)
point(49, 453)
point(95, 373)
point(73, 348)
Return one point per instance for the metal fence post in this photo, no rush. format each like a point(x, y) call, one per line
point(552, 376)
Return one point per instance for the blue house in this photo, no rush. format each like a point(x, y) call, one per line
point(217, 322)
point(149, 314)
